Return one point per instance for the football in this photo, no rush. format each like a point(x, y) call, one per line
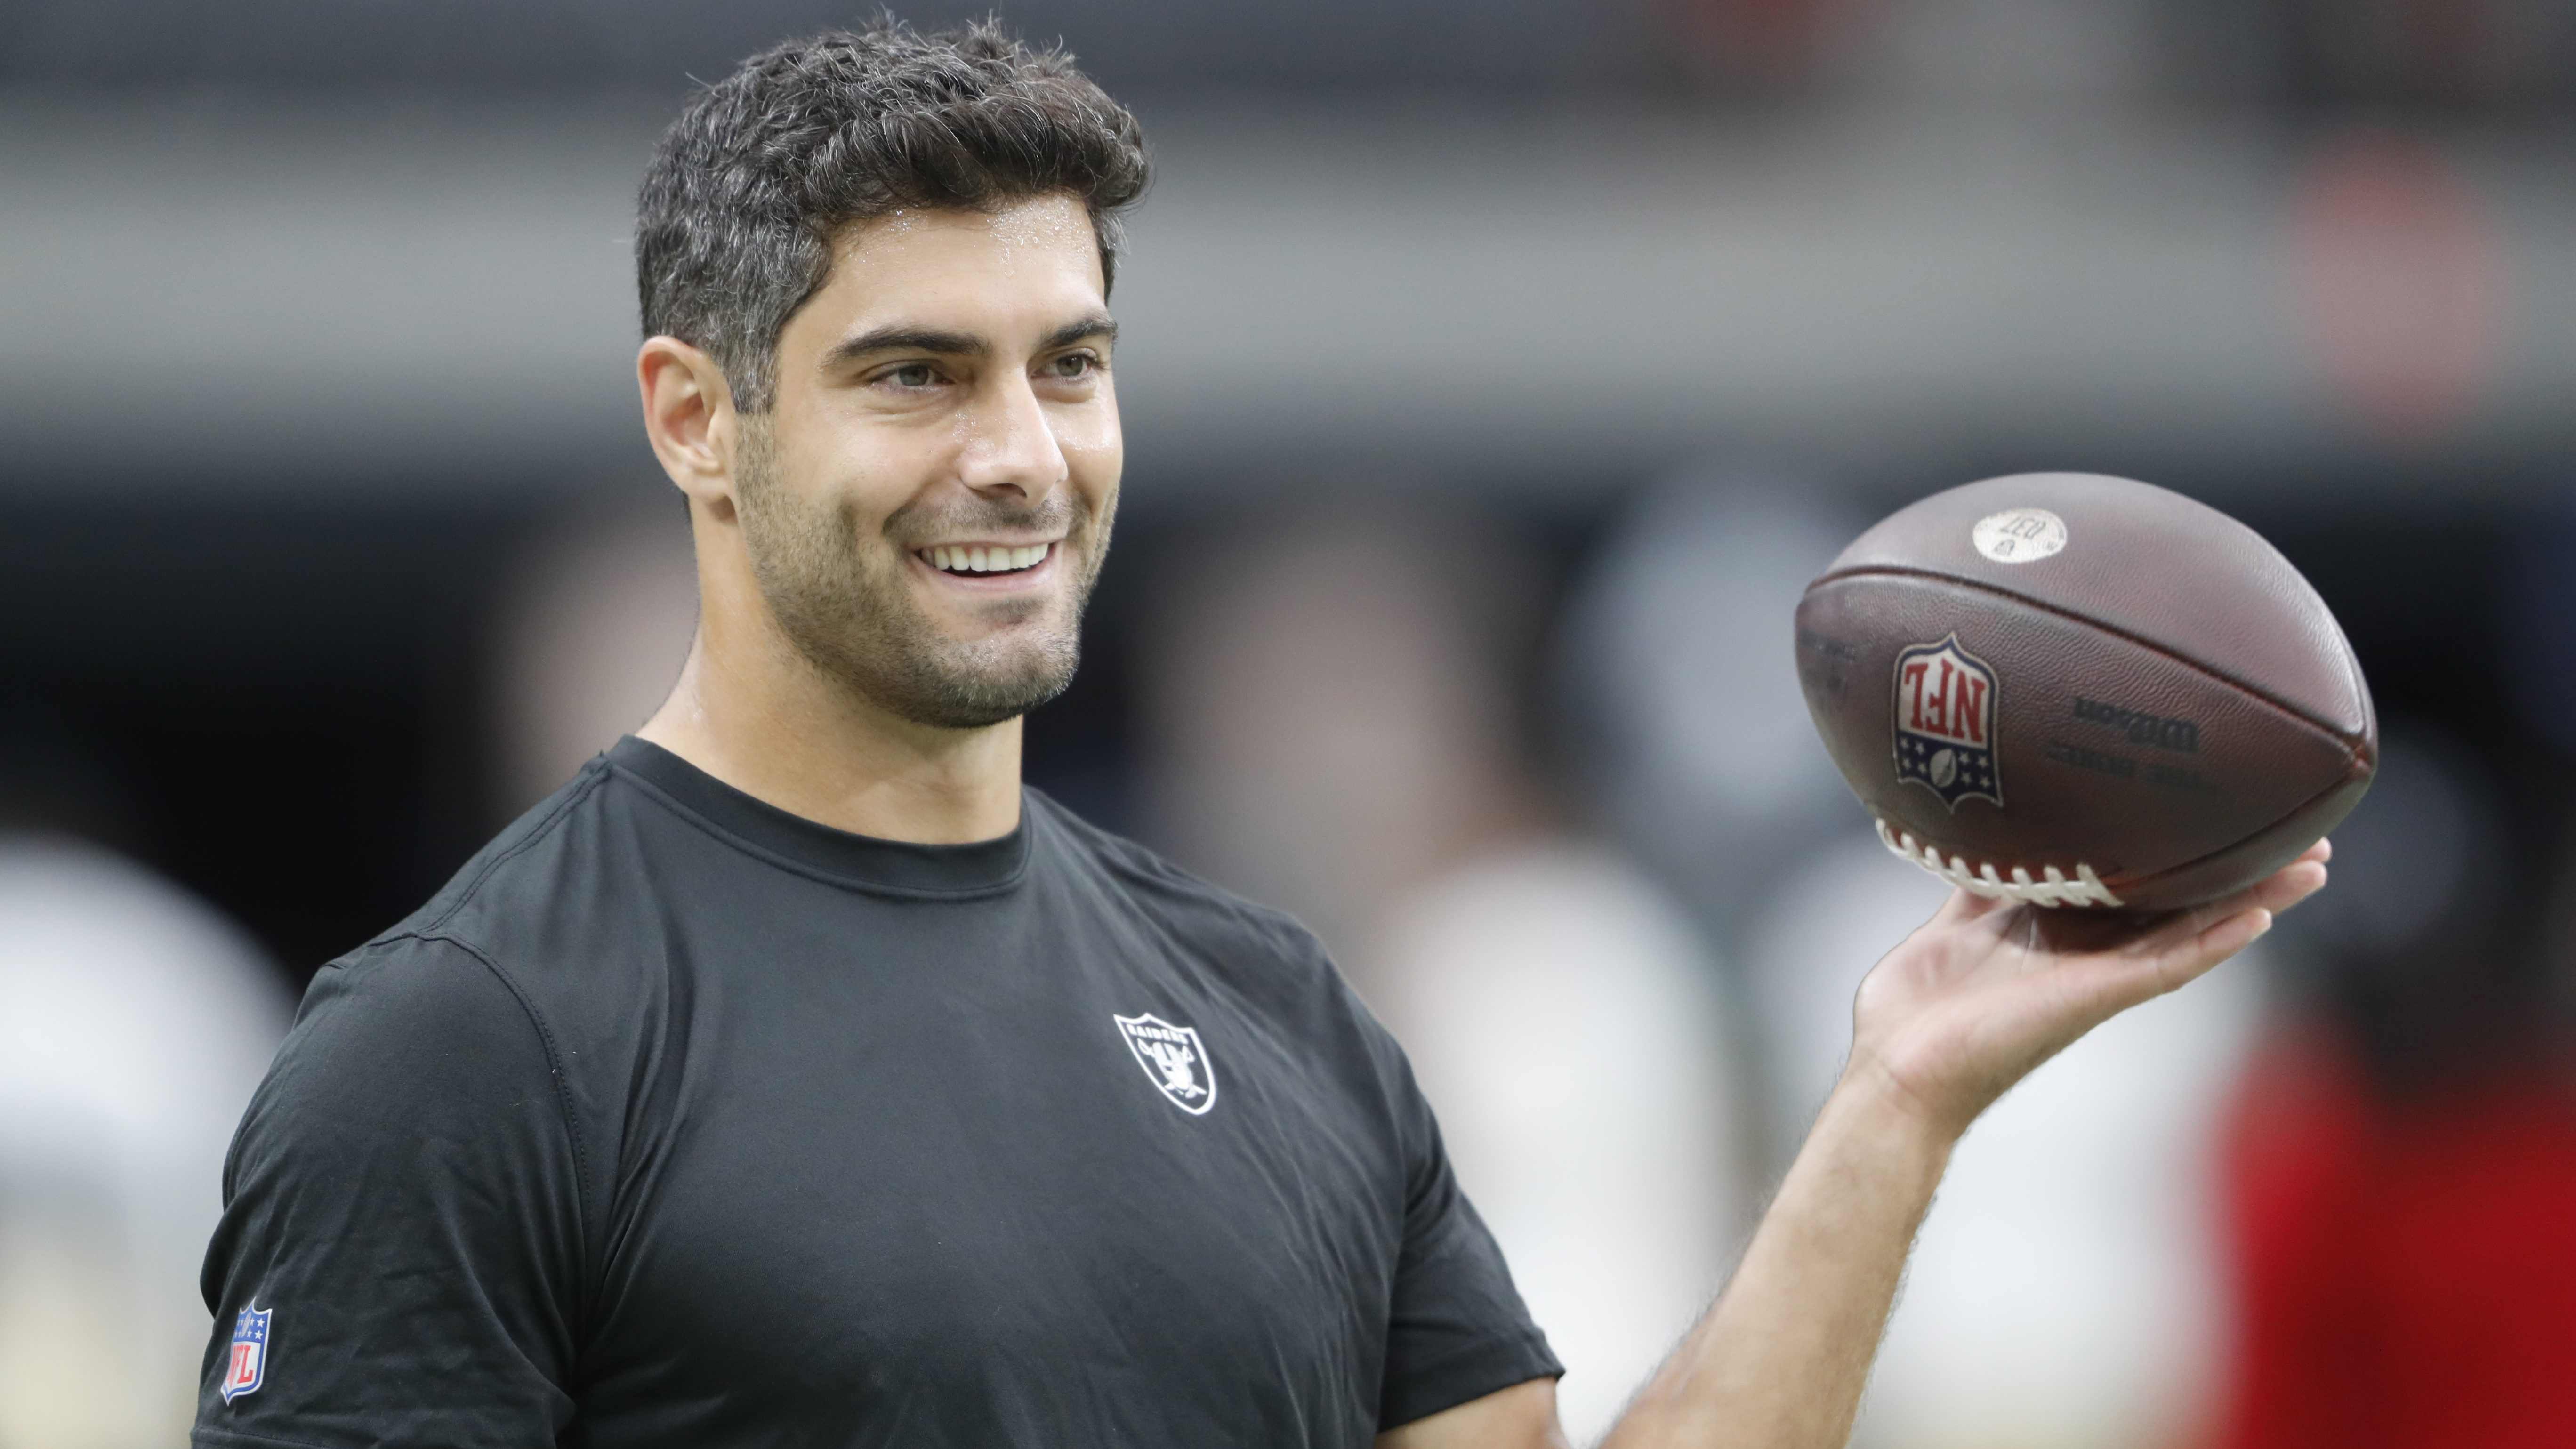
point(2073, 690)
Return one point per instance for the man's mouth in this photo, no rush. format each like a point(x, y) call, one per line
point(985, 560)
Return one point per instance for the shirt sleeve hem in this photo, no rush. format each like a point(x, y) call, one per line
point(1464, 1376)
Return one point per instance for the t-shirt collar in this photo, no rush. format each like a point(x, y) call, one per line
point(862, 859)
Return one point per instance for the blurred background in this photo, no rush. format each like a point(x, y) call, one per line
point(1496, 373)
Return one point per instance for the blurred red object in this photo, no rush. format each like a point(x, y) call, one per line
point(1760, 44)
point(2401, 278)
point(2405, 1275)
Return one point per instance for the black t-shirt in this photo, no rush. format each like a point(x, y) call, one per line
point(678, 1120)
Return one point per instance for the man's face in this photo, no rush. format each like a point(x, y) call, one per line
point(928, 500)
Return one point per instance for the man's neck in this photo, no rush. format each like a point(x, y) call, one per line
point(764, 721)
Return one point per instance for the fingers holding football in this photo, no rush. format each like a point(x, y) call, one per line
point(2095, 966)
point(2207, 945)
point(2140, 938)
point(2192, 942)
point(2275, 893)
point(2294, 882)
point(2303, 877)
point(1989, 988)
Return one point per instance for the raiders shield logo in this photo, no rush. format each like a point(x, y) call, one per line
point(1173, 1059)
point(1945, 722)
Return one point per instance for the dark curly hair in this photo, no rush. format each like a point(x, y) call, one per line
point(734, 224)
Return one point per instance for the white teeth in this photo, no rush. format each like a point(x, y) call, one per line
point(987, 560)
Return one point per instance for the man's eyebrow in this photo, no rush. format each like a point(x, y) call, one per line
point(901, 337)
point(1098, 324)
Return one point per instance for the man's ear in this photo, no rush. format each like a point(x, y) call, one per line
point(689, 417)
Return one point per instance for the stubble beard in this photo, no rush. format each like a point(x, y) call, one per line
point(847, 607)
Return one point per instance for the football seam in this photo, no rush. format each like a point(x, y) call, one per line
point(2350, 741)
point(2053, 888)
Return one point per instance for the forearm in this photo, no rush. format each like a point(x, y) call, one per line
point(1779, 1362)
point(1956, 1014)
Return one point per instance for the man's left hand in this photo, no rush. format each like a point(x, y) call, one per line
point(1986, 990)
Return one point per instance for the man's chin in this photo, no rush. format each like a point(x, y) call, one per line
point(981, 702)
point(982, 679)
point(994, 628)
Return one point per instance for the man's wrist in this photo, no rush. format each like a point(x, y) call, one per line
point(1872, 1111)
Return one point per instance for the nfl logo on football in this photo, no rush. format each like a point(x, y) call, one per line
point(1945, 722)
point(249, 1364)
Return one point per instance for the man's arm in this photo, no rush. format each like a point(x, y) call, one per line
point(1964, 1008)
point(404, 1209)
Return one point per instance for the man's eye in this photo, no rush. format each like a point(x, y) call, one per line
point(1074, 364)
point(913, 374)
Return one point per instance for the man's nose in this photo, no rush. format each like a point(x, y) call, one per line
point(1008, 443)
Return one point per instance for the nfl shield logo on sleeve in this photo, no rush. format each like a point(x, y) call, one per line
point(1173, 1059)
point(249, 1365)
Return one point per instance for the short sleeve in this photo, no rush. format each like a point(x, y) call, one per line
point(1458, 1330)
point(399, 1259)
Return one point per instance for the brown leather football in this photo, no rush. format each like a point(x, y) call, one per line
point(2074, 690)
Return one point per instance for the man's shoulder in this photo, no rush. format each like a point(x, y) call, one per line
point(512, 948)
point(396, 1029)
point(1189, 904)
point(525, 935)
point(512, 868)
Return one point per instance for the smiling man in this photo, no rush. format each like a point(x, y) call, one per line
point(794, 1076)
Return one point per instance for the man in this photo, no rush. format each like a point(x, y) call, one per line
point(794, 1077)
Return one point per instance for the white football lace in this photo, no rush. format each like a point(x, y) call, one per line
point(2052, 889)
